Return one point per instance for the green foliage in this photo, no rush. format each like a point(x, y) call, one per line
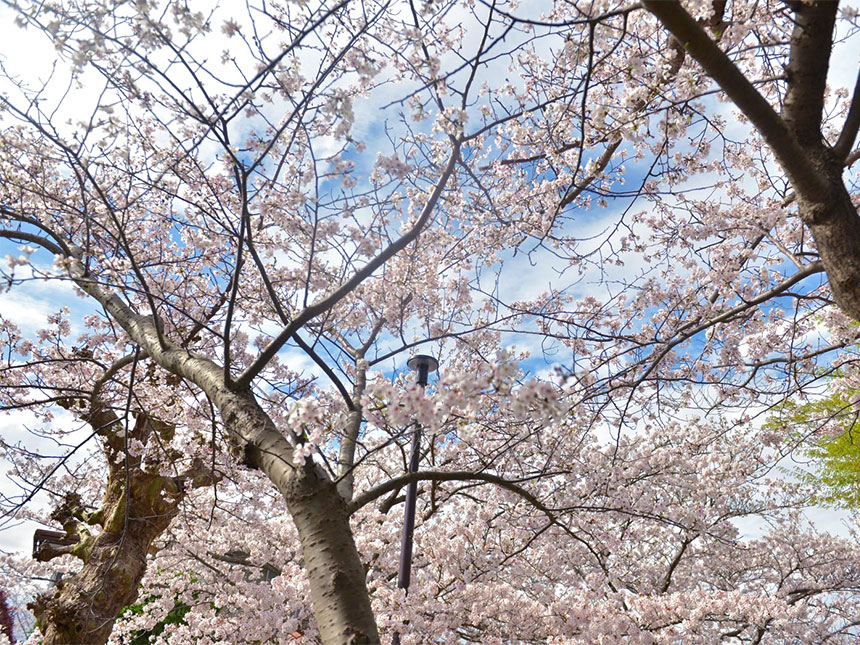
point(835, 473)
point(175, 616)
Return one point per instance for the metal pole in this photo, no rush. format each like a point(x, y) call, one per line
point(424, 365)
point(404, 574)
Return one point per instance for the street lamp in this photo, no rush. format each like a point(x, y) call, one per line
point(423, 364)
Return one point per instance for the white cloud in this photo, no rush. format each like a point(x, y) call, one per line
point(29, 303)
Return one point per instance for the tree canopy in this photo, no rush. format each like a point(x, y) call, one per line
point(627, 231)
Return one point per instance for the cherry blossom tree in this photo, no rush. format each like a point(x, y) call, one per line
point(265, 212)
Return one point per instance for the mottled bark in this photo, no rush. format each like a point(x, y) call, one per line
point(808, 62)
point(113, 542)
point(337, 576)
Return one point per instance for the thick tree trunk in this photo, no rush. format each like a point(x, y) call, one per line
point(138, 507)
point(85, 606)
point(337, 577)
point(335, 572)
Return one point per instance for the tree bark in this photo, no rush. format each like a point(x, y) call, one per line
point(138, 507)
point(335, 572)
point(832, 219)
point(86, 605)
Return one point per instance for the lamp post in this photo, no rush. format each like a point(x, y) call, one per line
point(423, 364)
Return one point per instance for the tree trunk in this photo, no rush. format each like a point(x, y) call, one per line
point(85, 606)
point(138, 507)
point(337, 577)
point(335, 572)
point(832, 219)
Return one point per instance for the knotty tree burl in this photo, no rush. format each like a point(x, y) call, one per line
point(337, 184)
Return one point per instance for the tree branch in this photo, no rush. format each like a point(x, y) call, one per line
point(323, 305)
point(44, 242)
point(327, 370)
point(794, 160)
point(35, 224)
point(695, 327)
point(852, 123)
point(437, 475)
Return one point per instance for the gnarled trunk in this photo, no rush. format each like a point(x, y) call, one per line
point(84, 607)
point(137, 508)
